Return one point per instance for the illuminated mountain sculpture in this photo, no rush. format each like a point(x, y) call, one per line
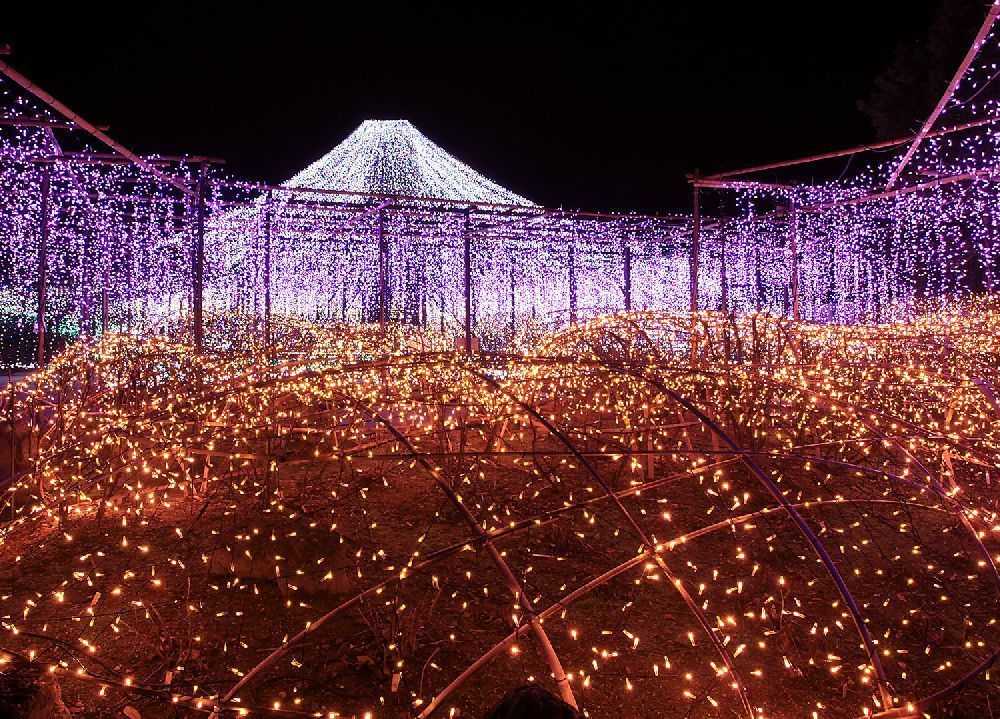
point(392, 157)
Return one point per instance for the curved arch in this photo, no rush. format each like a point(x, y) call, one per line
point(548, 650)
point(615, 571)
point(807, 532)
point(797, 519)
point(675, 581)
point(800, 523)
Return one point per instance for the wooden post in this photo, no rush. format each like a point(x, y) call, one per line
point(12, 420)
point(440, 288)
point(695, 257)
point(198, 264)
point(267, 272)
point(467, 274)
point(758, 279)
point(423, 289)
point(383, 271)
point(130, 300)
point(572, 280)
point(695, 262)
point(723, 277)
point(627, 286)
point(724, 299)
point(832, 292)
point(43, 258)
point(793, 241)
point(513, 307)
point(86, 284)
point(408, 293)
point(104, 305)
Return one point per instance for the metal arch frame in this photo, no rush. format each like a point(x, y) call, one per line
point(548, 651)
point(604, 365)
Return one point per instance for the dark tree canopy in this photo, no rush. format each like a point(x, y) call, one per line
point(906, 90)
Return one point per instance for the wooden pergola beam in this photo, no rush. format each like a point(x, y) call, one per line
point(985, 174)
point(991, 17)
point(86, 126)
point(846, 152)
point(36, 122)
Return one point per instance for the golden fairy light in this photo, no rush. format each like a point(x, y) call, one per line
point(759, 519)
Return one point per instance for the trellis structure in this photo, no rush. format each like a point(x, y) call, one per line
point(472, 269)
point(869, 247)
point(101, 241)
point(656, 508)
point(915, 219)
point(168, 238)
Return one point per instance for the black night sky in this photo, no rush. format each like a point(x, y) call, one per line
point(602, 106)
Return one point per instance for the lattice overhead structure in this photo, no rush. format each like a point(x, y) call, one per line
point(88, 235)
point(897, 222)
point(297, 500)
point(388, 227)
point(446, 264)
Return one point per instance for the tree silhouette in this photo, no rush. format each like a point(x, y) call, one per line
point(906, 90)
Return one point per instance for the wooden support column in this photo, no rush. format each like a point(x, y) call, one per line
point(627, 285)
point(694, 266)
point(572, 280)
point(724, 299)
point(758, 279)
point(513, 298)
point(723, 276)
point(423, 290)
point(129, 269)
point(86, 289)
point(267, 271)
point(343, 299)
point(467, 281)
point(383, 272)
point(43, 258)
point(410, 305)
point(793, 242)
point(832, 292)
point(198, 264)
point(695, 256)
point(104, 304)
point(440, 288)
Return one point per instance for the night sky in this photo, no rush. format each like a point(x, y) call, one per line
point(590, 106)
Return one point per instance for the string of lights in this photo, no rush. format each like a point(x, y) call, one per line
point(624, 489)
point(738, 462)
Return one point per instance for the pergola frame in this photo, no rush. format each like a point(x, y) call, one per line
point(210, 201)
